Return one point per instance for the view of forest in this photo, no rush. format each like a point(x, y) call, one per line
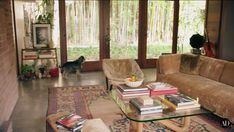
point(82, 27)
point(191, 21)
point(160, 28)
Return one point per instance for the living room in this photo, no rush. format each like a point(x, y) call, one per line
point(142, 30)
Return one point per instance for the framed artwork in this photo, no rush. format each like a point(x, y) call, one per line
point(41, 35)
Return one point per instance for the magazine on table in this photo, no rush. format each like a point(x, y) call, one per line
point(180, 99)
point(71, 122)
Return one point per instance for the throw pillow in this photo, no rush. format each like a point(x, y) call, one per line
point(189, 64)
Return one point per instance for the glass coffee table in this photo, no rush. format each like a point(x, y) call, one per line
point(137, 120)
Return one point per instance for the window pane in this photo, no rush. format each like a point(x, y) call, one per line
point(160, 27)
point(124, 29)
point(56, 31)
point(82, 22)
point(191, 21)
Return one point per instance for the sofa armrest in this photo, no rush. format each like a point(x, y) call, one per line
point(168, 64)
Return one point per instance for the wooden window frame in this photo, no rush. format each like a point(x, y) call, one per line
point(104, 34)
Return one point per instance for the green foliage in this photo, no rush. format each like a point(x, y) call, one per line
point(92, 53)
point(26, 69)
point(45, 12)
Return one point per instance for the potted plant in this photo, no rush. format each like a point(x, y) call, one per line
point(197, 41)
point(27, 72)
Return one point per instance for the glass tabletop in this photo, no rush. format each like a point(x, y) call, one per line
point(131, 113)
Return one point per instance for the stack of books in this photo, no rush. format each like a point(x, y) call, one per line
point(125, 91)
point(70, 122)
point(159, 88)
point(180, 102)
point(152, 106)
point(30, 55)
point(46, 54)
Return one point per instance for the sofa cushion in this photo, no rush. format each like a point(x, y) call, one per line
point(228, 74)
point(189, 64)
point(211, 68)
point(169, 64)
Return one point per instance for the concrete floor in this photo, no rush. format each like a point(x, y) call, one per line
point(29, 114)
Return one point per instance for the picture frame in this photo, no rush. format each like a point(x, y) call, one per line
point(41, 35)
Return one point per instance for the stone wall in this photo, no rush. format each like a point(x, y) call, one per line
point(8, 74)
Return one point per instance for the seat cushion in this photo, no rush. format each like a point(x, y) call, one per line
point(169, 64)
point(119, 69)
point(189, 64)
point(228, 74)
point(211, 68)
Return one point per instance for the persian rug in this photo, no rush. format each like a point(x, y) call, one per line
point(94, 102)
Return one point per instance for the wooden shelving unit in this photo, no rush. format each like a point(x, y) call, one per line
point(42, 60)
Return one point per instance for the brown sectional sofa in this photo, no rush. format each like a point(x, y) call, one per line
point(213, 84)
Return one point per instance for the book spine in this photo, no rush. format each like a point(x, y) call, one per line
point(134, 92)
point(128, 89)
point(189, 107)
point(162, 92)
point(151, 111)
point(142, 108)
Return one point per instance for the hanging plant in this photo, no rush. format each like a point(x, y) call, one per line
point(45, 12)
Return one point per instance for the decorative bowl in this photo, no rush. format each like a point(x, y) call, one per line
point(133, 83)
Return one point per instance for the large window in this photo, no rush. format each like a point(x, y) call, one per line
point(159, 27)
point(191, 21)
point(82, 24)
point(124, 29)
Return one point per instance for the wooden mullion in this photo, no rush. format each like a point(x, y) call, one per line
point(206, 17)
point(62, 27)
point(218, 46)
point(175, 26)
point(104, 26)
point(142, 32)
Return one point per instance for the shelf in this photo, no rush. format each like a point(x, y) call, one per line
point(37, 58)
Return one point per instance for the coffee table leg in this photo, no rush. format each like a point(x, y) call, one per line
point(136, 126)
point(174, 127)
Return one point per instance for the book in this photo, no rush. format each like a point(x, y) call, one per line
point(124, 87)
point(71, 122)
point(159, 88)
point(180, 99)
point(60, 127)
point(133, 94)
point(152, 93)
point(150, 111)
point(174, 107)
point(146, 100)
point(155, 106)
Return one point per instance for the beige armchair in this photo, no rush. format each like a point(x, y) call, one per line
point(116, 70)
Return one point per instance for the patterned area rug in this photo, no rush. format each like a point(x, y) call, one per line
point(94, 102)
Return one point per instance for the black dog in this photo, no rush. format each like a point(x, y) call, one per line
point(72, 66)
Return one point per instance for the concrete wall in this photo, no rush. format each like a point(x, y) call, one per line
point(8, 75)
point(227, 31)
